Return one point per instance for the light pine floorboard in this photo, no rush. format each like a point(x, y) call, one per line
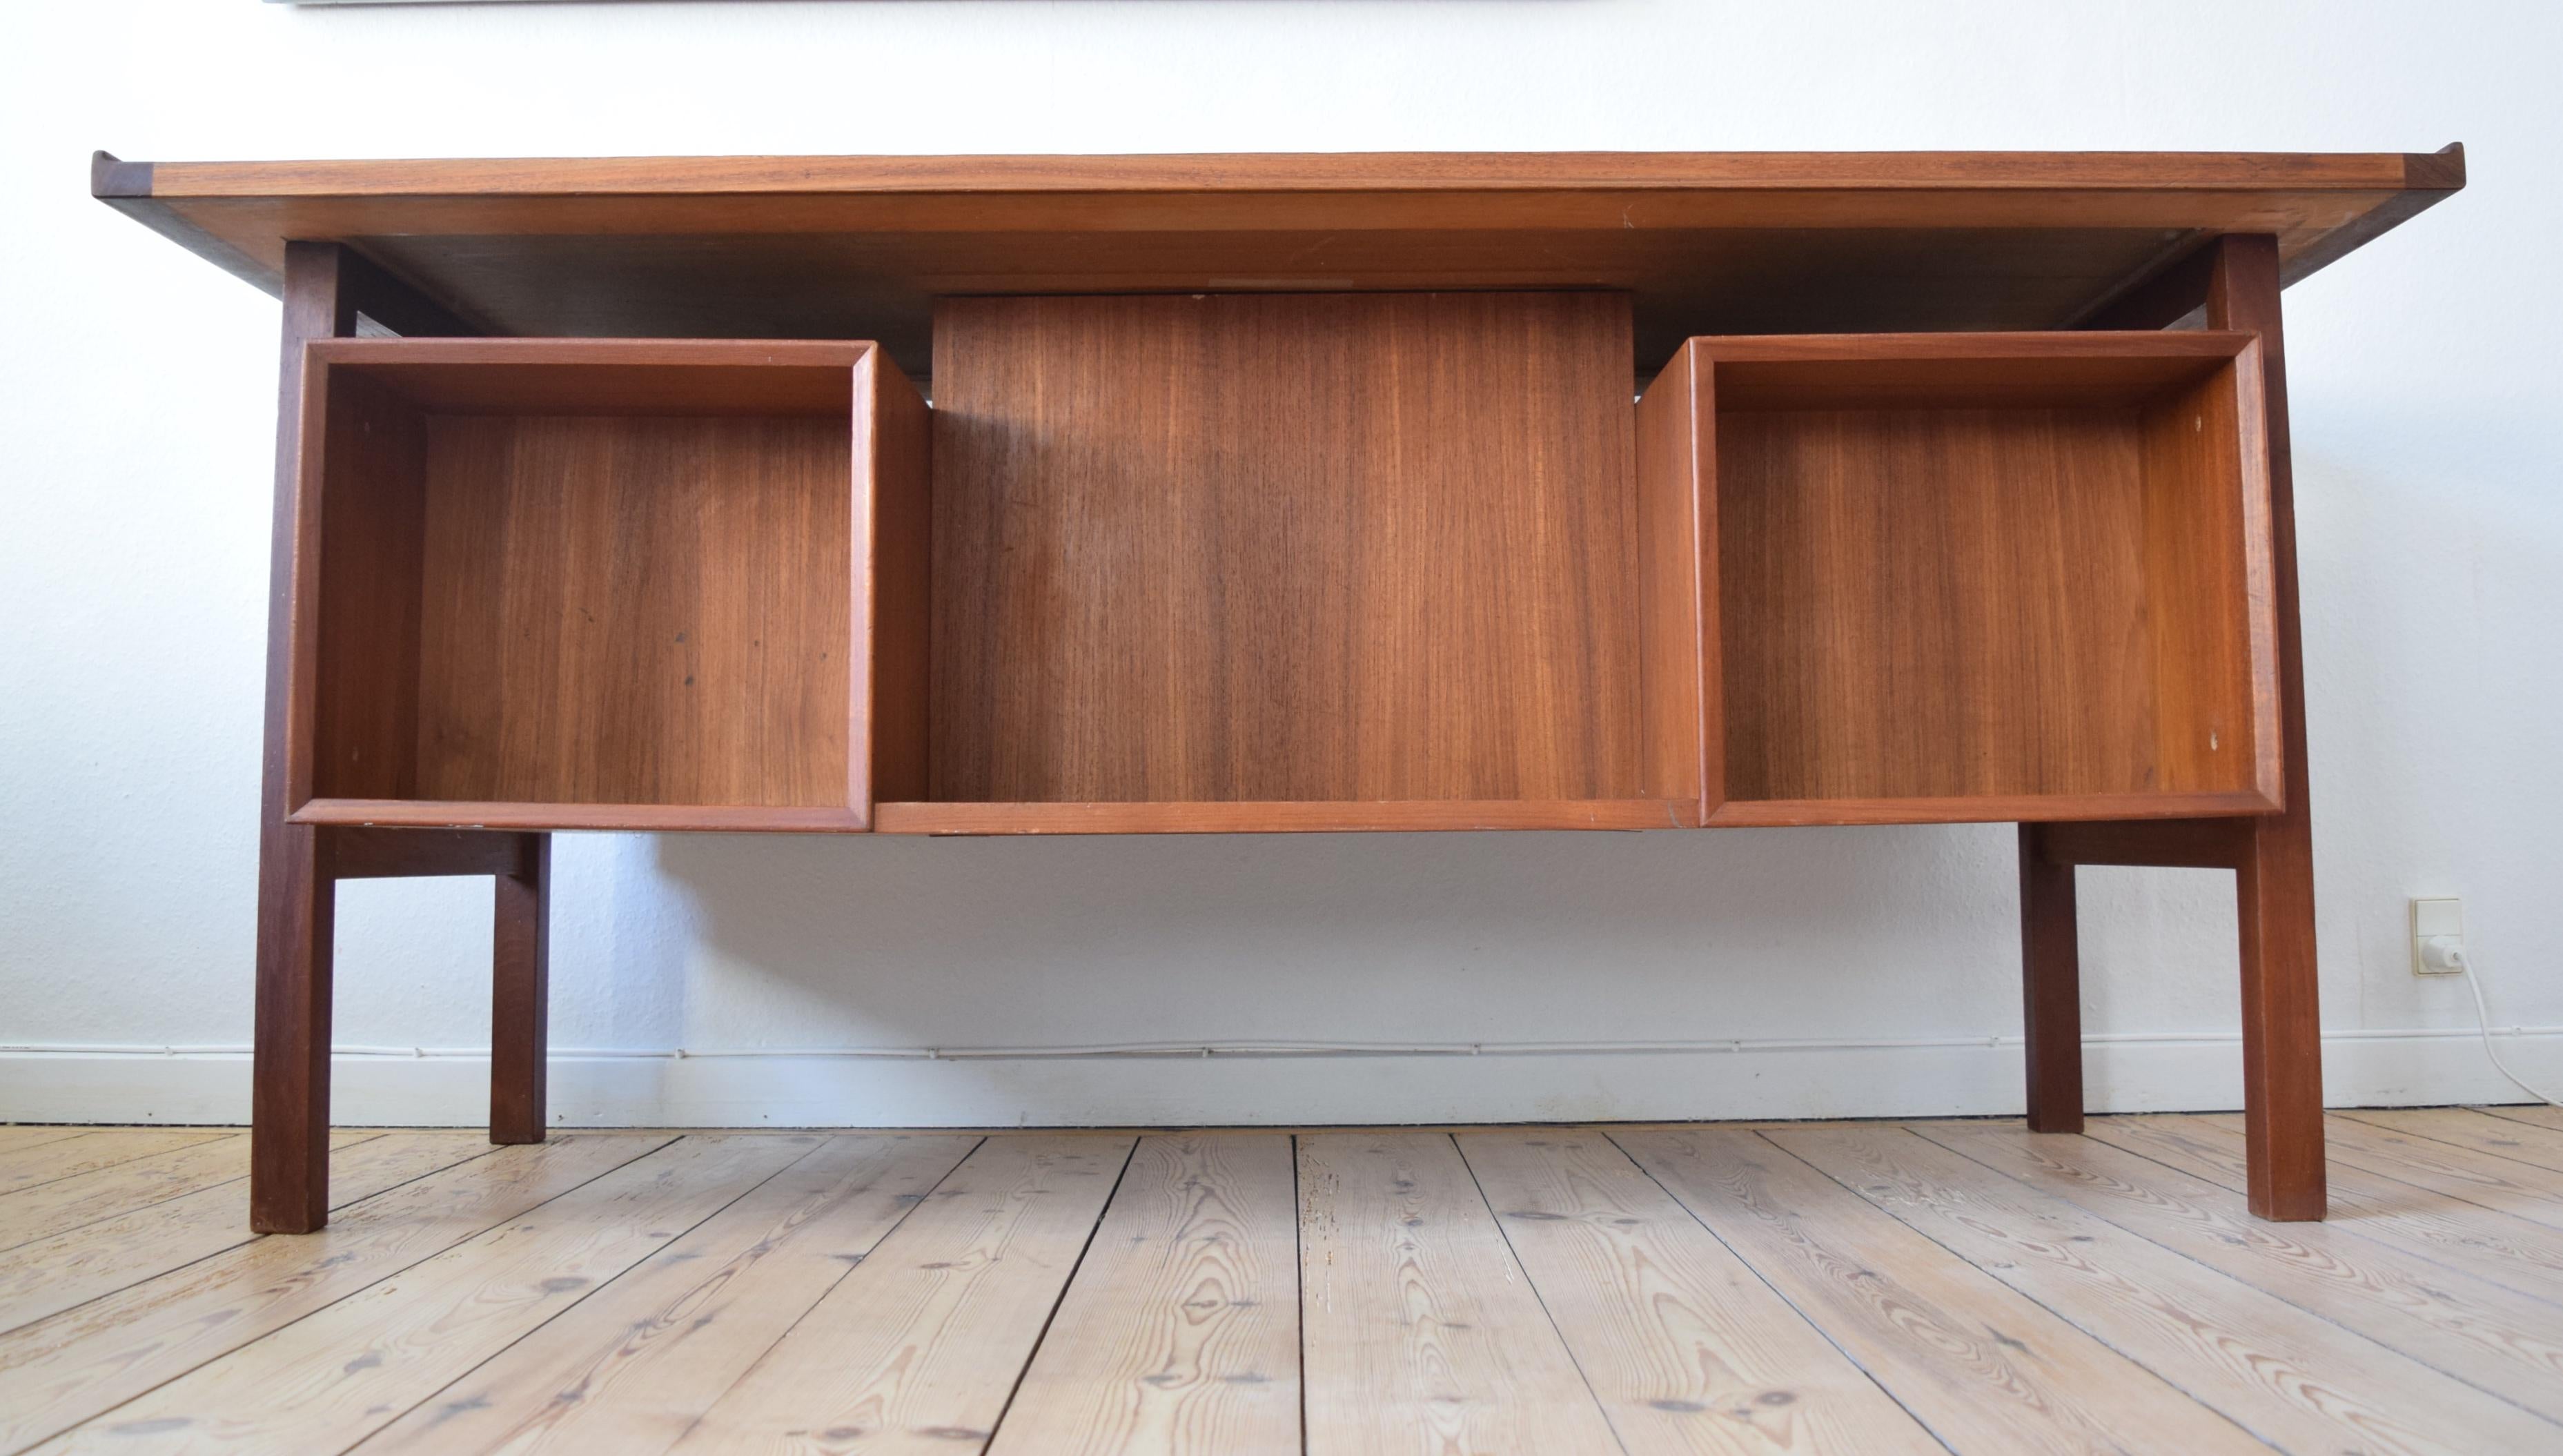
point(918, 1349)
point(2519, 1189)
point(1688, 1350)
point(2474, 1330)
point(193, 1164)
point(49, 1275)
point(1418, 1329)
point(97, 1356)
point(629, 1369)
point(2465, 1236)
point(2535, 1114)
point(2465, 1128)
point(1778, 1288)
point(335, 1376)
point(1985, 1366)
point(2290, 1377)
point(1181, 1329)
point(43, 1160)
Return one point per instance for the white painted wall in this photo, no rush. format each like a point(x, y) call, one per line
point(1855, 971)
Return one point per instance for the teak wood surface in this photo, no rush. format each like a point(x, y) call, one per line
point(1796, 1289)
point(1366, 536)
point(1996, 576)
point(1310, 547)
point(861, 247)
point(564, 584)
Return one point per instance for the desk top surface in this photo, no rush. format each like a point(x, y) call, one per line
point(859, 247)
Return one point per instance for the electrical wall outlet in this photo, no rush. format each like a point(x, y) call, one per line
point(2438, 936)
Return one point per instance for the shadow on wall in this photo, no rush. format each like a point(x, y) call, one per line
point(1354, 938)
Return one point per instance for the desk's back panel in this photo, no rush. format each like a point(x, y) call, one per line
point(1301, 548)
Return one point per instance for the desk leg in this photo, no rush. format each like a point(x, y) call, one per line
point(2233, 283)
point(288, 1183)
point(2050, 988)
point(289, 1180)
point(325, 286)
point(2282, 1102)
point(2282, 1105)
point(521, 995)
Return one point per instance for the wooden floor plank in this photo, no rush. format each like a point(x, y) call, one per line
point(54, 1273)
point(2487, 1333)
point(51, 1158)
point(918, 1348)
point(1180, 1332)
point(1800, 1288)
point(629, 1369)
point(2504, 1184)
point(2465, 1128)
point(336, 1376)
point(86, 1361)
point(1986, 1367)
point(2474, 1129)
point(1687, 1348)
point(2536, 1113)
point(1418, 1329)
point(68, 1203)
point(2296, 1379)
point(2467, 1237)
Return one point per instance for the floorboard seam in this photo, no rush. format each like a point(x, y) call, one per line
point(479, 1152)
point(1827, 1336)
point(2424, 1249)
point(308, 1314)
point(246, 1239)
point(1533, 1285)
point(847, 1273)
point(155, 1202)
point(2094, 1336)
point(2400, 1132)
point(2393, 1132)
point(1100, 1213)
point(601, 1285)
point(2507, 1113)
point(2139, 1233)
point(1300, 1286)
point(205, 1142)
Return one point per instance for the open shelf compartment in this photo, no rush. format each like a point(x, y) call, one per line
point(1259, 562)
point(604, 584)
point(1963, 577)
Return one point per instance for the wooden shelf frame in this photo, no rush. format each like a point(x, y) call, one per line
point(1300, 816)
point(2038, 491)
point(519, 554)
point(1923, 556)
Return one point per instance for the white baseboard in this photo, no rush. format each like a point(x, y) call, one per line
point(1063, 1086)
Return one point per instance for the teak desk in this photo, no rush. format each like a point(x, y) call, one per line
point(1283, 493)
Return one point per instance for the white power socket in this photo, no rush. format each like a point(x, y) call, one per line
point(2439, 936)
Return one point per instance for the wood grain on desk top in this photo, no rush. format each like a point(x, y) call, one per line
point(857, 247)
point(1384, 172)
